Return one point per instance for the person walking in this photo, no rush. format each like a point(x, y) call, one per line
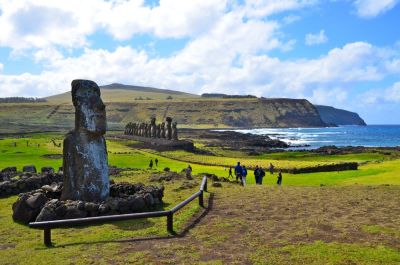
point(230, 172)
point(271, 168)
point(156, 161)
point(257, 174)
point(262, 175)
point(279, 181)
point(244, 174)
point(238, 172)
point(188, 172)
point(151, 164)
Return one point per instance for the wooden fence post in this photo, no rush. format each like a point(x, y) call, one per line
point(170, 222)
point(47, 237)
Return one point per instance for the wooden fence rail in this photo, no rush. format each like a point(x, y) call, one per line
point(48, 225)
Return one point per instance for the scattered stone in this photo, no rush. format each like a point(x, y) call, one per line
point(30, 169)
point(47, 170)
point(217, 184)
point(166, 176)
point(187, 185)
point(27, 182)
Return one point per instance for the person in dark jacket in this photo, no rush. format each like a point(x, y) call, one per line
point(156, 161)
point(151, 164)
point(279, 181)
point(238, 172)
point(271, 168)
point(262, 175)
point(257, 174)
point(230, 172)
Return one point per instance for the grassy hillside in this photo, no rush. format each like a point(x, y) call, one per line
point(322, 218)
point(125, 93)
point(137, 104)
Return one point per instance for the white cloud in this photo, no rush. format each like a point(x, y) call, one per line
point(390, 94)
point(290, 19)
point(259, 8)
point(215, 66)
point(314, 39)
point(325, 96)
point(373, 8)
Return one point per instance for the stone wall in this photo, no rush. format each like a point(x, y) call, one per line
point(44, 204)
point(24, 182)
point(324, 168)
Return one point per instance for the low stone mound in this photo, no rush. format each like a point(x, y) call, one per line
point(166, 176)
point(324, 168)
point(187, 185)
point(8, 173)
point(29, 168)
point(45, 205)
point(214, 177)
point(27, 182)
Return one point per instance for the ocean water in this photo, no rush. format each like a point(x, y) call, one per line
point(369, 136)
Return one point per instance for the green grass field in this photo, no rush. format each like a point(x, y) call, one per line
point(347, 217)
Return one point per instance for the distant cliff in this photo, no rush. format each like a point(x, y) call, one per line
point(202, 113)
point(331, 115)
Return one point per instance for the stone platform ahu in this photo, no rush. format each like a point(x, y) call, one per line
point(163, 136)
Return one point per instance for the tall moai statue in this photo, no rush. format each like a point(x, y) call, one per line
point(137, 128)
point(134, 128)
point(149, 130)
point(146, 128)
point(174, 131)
point(153, 126)
point(85, 160)
point(168, 134)
point(142, 129)
point(163, 130)
point(158, 131)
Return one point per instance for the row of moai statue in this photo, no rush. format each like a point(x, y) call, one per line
point(165, 130)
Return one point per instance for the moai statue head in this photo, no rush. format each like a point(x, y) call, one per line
point(90, 111)
point(168, 120)
point(153, 121)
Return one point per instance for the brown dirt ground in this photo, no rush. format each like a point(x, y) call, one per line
point(236, 223)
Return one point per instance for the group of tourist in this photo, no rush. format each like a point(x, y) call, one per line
point(259, 174)
point(151, 163)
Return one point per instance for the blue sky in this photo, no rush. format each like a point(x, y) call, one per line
point(343, 53)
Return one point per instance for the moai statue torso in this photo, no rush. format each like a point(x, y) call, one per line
point(174, 131)
point(168, 134)
point(158, 131)
point(153, 128)
point(85, 160)
point(162, 130)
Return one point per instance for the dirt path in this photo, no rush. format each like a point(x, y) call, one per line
point(243, 224)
